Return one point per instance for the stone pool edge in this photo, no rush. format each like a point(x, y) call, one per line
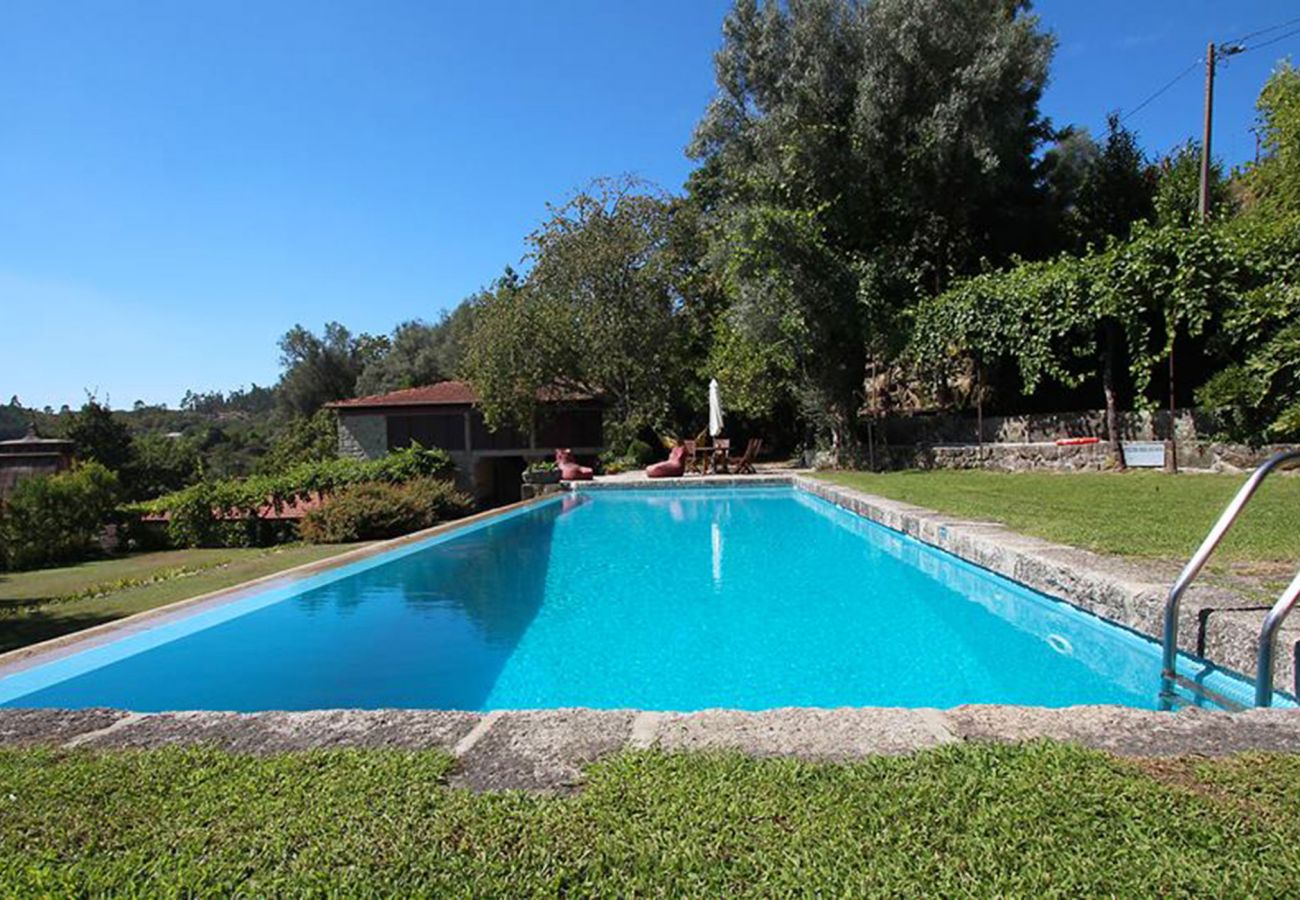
point(34, 654)
point(548, 749)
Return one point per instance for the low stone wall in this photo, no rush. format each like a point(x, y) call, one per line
point(951, 428)
point(1047, 456)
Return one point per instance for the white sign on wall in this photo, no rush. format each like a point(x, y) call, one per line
point(1144, 454)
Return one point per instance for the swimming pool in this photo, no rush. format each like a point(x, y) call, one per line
point(747, 598)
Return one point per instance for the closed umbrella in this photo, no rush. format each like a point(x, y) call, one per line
point(715, 409)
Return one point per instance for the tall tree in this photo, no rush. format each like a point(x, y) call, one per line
point(1274, 183)
point(419, 353)
point(1118, 189)
point(99, 435)
point(857, 156)
point(322, 368)
point(601, 310)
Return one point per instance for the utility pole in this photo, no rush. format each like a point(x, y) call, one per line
point(1204, 205)
point(1210, 53)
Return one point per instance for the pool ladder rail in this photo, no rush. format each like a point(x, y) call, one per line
point(1169, 676)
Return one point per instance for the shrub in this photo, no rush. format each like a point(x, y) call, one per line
point(56, 518)
point(641, 452)
point(439, 500)
point(379, 510)
point(222, 513)
point(610, 463)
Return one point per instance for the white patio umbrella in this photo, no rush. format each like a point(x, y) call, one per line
point(715, 408)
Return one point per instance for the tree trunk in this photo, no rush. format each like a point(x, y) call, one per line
point(1112, 404)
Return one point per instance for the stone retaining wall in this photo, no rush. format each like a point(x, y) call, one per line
point(951, 428)
point(1047, 456)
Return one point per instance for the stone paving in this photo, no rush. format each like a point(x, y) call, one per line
point(546, 750)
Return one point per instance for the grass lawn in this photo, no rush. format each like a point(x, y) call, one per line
point(1036, 819)
point(1147, 514)
point(35, 606)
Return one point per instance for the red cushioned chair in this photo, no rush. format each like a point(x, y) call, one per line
point(569, 468)
point(672, 467)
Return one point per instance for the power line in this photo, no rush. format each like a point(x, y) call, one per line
point(1246, 37)
point(1280, 37)
point(1173, 81)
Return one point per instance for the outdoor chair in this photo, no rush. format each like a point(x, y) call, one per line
point(721, 446)
point(692, 459)
point(570, 470)
point(672, 467)
point(744, 465)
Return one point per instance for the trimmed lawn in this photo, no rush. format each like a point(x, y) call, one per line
point(1147, 514)
point(1035, 819)
point(42, 604)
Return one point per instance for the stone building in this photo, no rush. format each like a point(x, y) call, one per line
point(445, 415)
point(31, 455)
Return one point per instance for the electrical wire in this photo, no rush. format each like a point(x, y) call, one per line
point(1173, 81)
point(1280, 37)
point(1246, 37)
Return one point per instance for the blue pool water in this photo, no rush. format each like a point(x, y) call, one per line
point(674, 600)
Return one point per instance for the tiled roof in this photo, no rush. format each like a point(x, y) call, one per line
point(445, 393)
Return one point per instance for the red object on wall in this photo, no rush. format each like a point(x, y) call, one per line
point(1071, 442)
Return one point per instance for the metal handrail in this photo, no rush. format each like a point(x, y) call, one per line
point(1268, 642)
point(1168, 672)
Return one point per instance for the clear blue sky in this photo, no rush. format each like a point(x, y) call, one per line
point(182, 182)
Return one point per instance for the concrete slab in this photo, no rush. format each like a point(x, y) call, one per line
point(53, 727)
point(542, 749)
point(815, 734)
point(273, 732)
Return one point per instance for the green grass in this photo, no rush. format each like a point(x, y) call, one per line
point(1147, 514)
point(33, 605)
point(1031, 820)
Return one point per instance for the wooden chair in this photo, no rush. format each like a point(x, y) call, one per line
point(692, 464)
point(744, 465)
point(721, 446)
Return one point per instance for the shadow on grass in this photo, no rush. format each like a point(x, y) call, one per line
point(40, 625)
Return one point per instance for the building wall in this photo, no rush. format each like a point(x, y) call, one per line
point(363, 436)
point(15, 469)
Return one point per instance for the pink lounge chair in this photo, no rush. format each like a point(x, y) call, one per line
point(569, 468)
point(672, 467)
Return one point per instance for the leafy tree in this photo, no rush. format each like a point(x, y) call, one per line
point(1258, 389)
point(1274, 183)
point(51, 519)
point(600, 311)
point(158, 464)
point(419, 353)
point(1178, 188)
point(321, 368)
point(1117, 189)
point(304, 439)
point(856, 156)
point(100, 435)
point(255, 400)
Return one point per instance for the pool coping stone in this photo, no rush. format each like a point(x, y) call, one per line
point(547, 750)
